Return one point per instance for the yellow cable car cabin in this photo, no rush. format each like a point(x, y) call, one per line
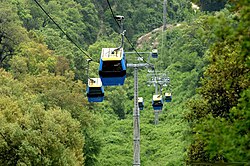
point(140, 103)
point(95, 90)
point(157, 102)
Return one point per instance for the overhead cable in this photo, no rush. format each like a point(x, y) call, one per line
point(113, 15)
point(132, 46)
point(58, 26)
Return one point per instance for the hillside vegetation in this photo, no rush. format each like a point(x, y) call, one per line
point(44, 113)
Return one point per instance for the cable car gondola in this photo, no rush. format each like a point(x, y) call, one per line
point(157, 102)
point(154, 53)
point(140, 103)
point(112, 68)
point(168, 97)
point(95, 90)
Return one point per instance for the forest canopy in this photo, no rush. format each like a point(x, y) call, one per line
point(46, 118)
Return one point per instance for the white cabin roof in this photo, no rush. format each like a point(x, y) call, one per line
point(167, 94)
point(110, 54)
point(157, 97)
point(140, 99)
point(94, 82)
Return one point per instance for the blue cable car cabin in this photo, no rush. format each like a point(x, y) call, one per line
point(154, 53)
point(112, 68)
point(157, 102)
point(168, 97)
point(140, 103)
point(95, 90)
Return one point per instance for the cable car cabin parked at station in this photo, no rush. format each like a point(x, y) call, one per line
point(140, 103)
point(95, 90)
point(112, 68)
point(157, 102)
point(168, 97)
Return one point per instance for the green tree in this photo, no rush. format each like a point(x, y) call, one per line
point(32, 136)
point(211, 5)
point(49, 78)
point(226, 79)
point(11, 31)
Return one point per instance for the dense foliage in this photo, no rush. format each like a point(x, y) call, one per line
point(211, 5)
point(45, 116)
point(220, 116)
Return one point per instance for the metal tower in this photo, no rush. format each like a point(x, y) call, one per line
point(136, 114)
point(158, 79)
